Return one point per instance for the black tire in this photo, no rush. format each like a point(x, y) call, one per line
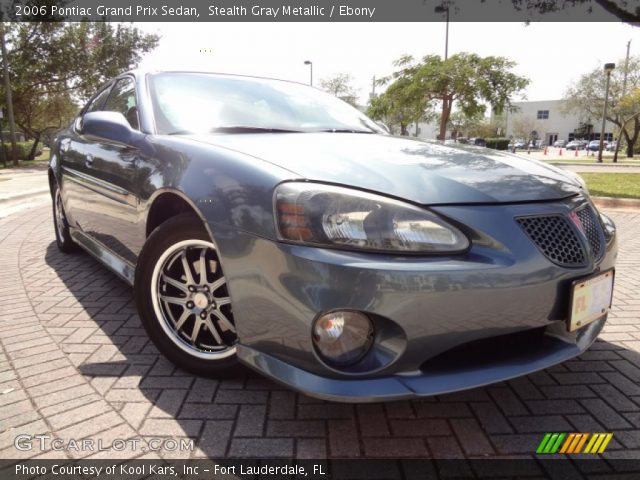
point(60, 225)
point(171, 327)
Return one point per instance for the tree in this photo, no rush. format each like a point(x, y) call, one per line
point(526, 128)
point(586, 97)
point(54, 66)
point(464, 79)
point(620, 9)
point(400, 106)
point(462, 125)
point(340, 85)
point(629, 109)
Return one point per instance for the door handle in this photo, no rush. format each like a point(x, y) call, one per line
point(88, 160)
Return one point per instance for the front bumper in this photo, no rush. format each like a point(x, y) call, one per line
point(399, 387)
point(502, 287)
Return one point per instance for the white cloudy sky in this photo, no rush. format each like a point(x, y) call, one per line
point(552, 55)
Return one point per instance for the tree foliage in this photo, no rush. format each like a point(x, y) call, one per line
point(586, 97)
point(466, 80)
point(56, 66)
point(340, 85)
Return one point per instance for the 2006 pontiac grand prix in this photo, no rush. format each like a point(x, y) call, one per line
point(267, 223)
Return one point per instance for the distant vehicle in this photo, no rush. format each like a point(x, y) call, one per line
point(576, 145)
point(559, 143)
point(594, 145)
point(611, 146)
point(480, 142)
point(517, 144)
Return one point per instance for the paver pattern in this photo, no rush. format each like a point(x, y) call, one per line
point(75, 363)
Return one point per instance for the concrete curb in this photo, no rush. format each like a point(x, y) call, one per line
point(596, 165)
point(614, 202)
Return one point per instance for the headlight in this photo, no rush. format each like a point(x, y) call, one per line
point(335, 216)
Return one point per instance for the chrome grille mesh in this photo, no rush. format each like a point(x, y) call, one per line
point(592, 229)
point(555, 238)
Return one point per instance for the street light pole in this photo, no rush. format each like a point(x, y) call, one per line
point(608, 68)
point(444, 8)
point(310, 63)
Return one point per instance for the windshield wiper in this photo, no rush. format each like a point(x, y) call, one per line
point(182, 132)
point(344, 130)
point(249, 129)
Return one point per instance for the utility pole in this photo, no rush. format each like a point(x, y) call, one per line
point(608, 68)
point(624, 92)
point(8, 97)
point(444, 8)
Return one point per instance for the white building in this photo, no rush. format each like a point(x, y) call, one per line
point(545, 117)
point(548, 120)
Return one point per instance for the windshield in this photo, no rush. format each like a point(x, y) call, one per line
point(204, 103)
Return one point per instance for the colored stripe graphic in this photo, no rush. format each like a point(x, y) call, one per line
point(574, 443)
point(578, 448)
point(551, 443)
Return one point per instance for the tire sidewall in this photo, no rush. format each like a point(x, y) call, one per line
point(64, 241)
point(178, 229)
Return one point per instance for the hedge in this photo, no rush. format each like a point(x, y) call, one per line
point(498, 143)
point(22, 148)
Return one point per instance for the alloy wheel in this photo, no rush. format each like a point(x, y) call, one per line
point(191, 300)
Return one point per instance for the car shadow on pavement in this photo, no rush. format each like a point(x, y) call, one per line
point(250, 416)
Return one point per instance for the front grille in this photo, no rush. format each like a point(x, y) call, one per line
point(555, 238)
point(592, 229)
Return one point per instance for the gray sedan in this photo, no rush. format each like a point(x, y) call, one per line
point(268, 224)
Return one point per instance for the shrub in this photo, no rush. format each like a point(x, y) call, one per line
point(498, 143)
point(22, 149)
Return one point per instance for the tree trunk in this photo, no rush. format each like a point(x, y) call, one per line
point(32, 153)
point(444, 118)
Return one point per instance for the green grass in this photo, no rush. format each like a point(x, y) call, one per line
point(622, 185)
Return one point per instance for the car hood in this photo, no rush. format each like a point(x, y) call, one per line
point(422, 172)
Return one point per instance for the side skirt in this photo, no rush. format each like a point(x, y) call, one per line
point(115, 263)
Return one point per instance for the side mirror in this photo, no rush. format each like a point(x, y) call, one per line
point(110, 126)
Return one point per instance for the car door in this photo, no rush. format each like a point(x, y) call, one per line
point(73, 151)
point(111, 169)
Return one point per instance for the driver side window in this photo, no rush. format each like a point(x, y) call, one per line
point(123, 99)
point(93, 106)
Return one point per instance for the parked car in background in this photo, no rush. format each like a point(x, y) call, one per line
point(594, 145)
point(517, 144)
point(267, 223)
point(611, 146)
point(577, 145)
point(477, 141)
point(559, 143)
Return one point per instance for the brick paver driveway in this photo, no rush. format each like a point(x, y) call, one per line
point(76, 363)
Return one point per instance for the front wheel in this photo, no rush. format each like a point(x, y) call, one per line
point(183, 299)
point(63, 236)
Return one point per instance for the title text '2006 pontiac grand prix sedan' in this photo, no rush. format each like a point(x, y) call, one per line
point(267, 223)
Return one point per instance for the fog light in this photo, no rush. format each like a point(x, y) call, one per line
point(343, 337)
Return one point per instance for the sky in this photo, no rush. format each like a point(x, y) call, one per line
point(552, 55)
